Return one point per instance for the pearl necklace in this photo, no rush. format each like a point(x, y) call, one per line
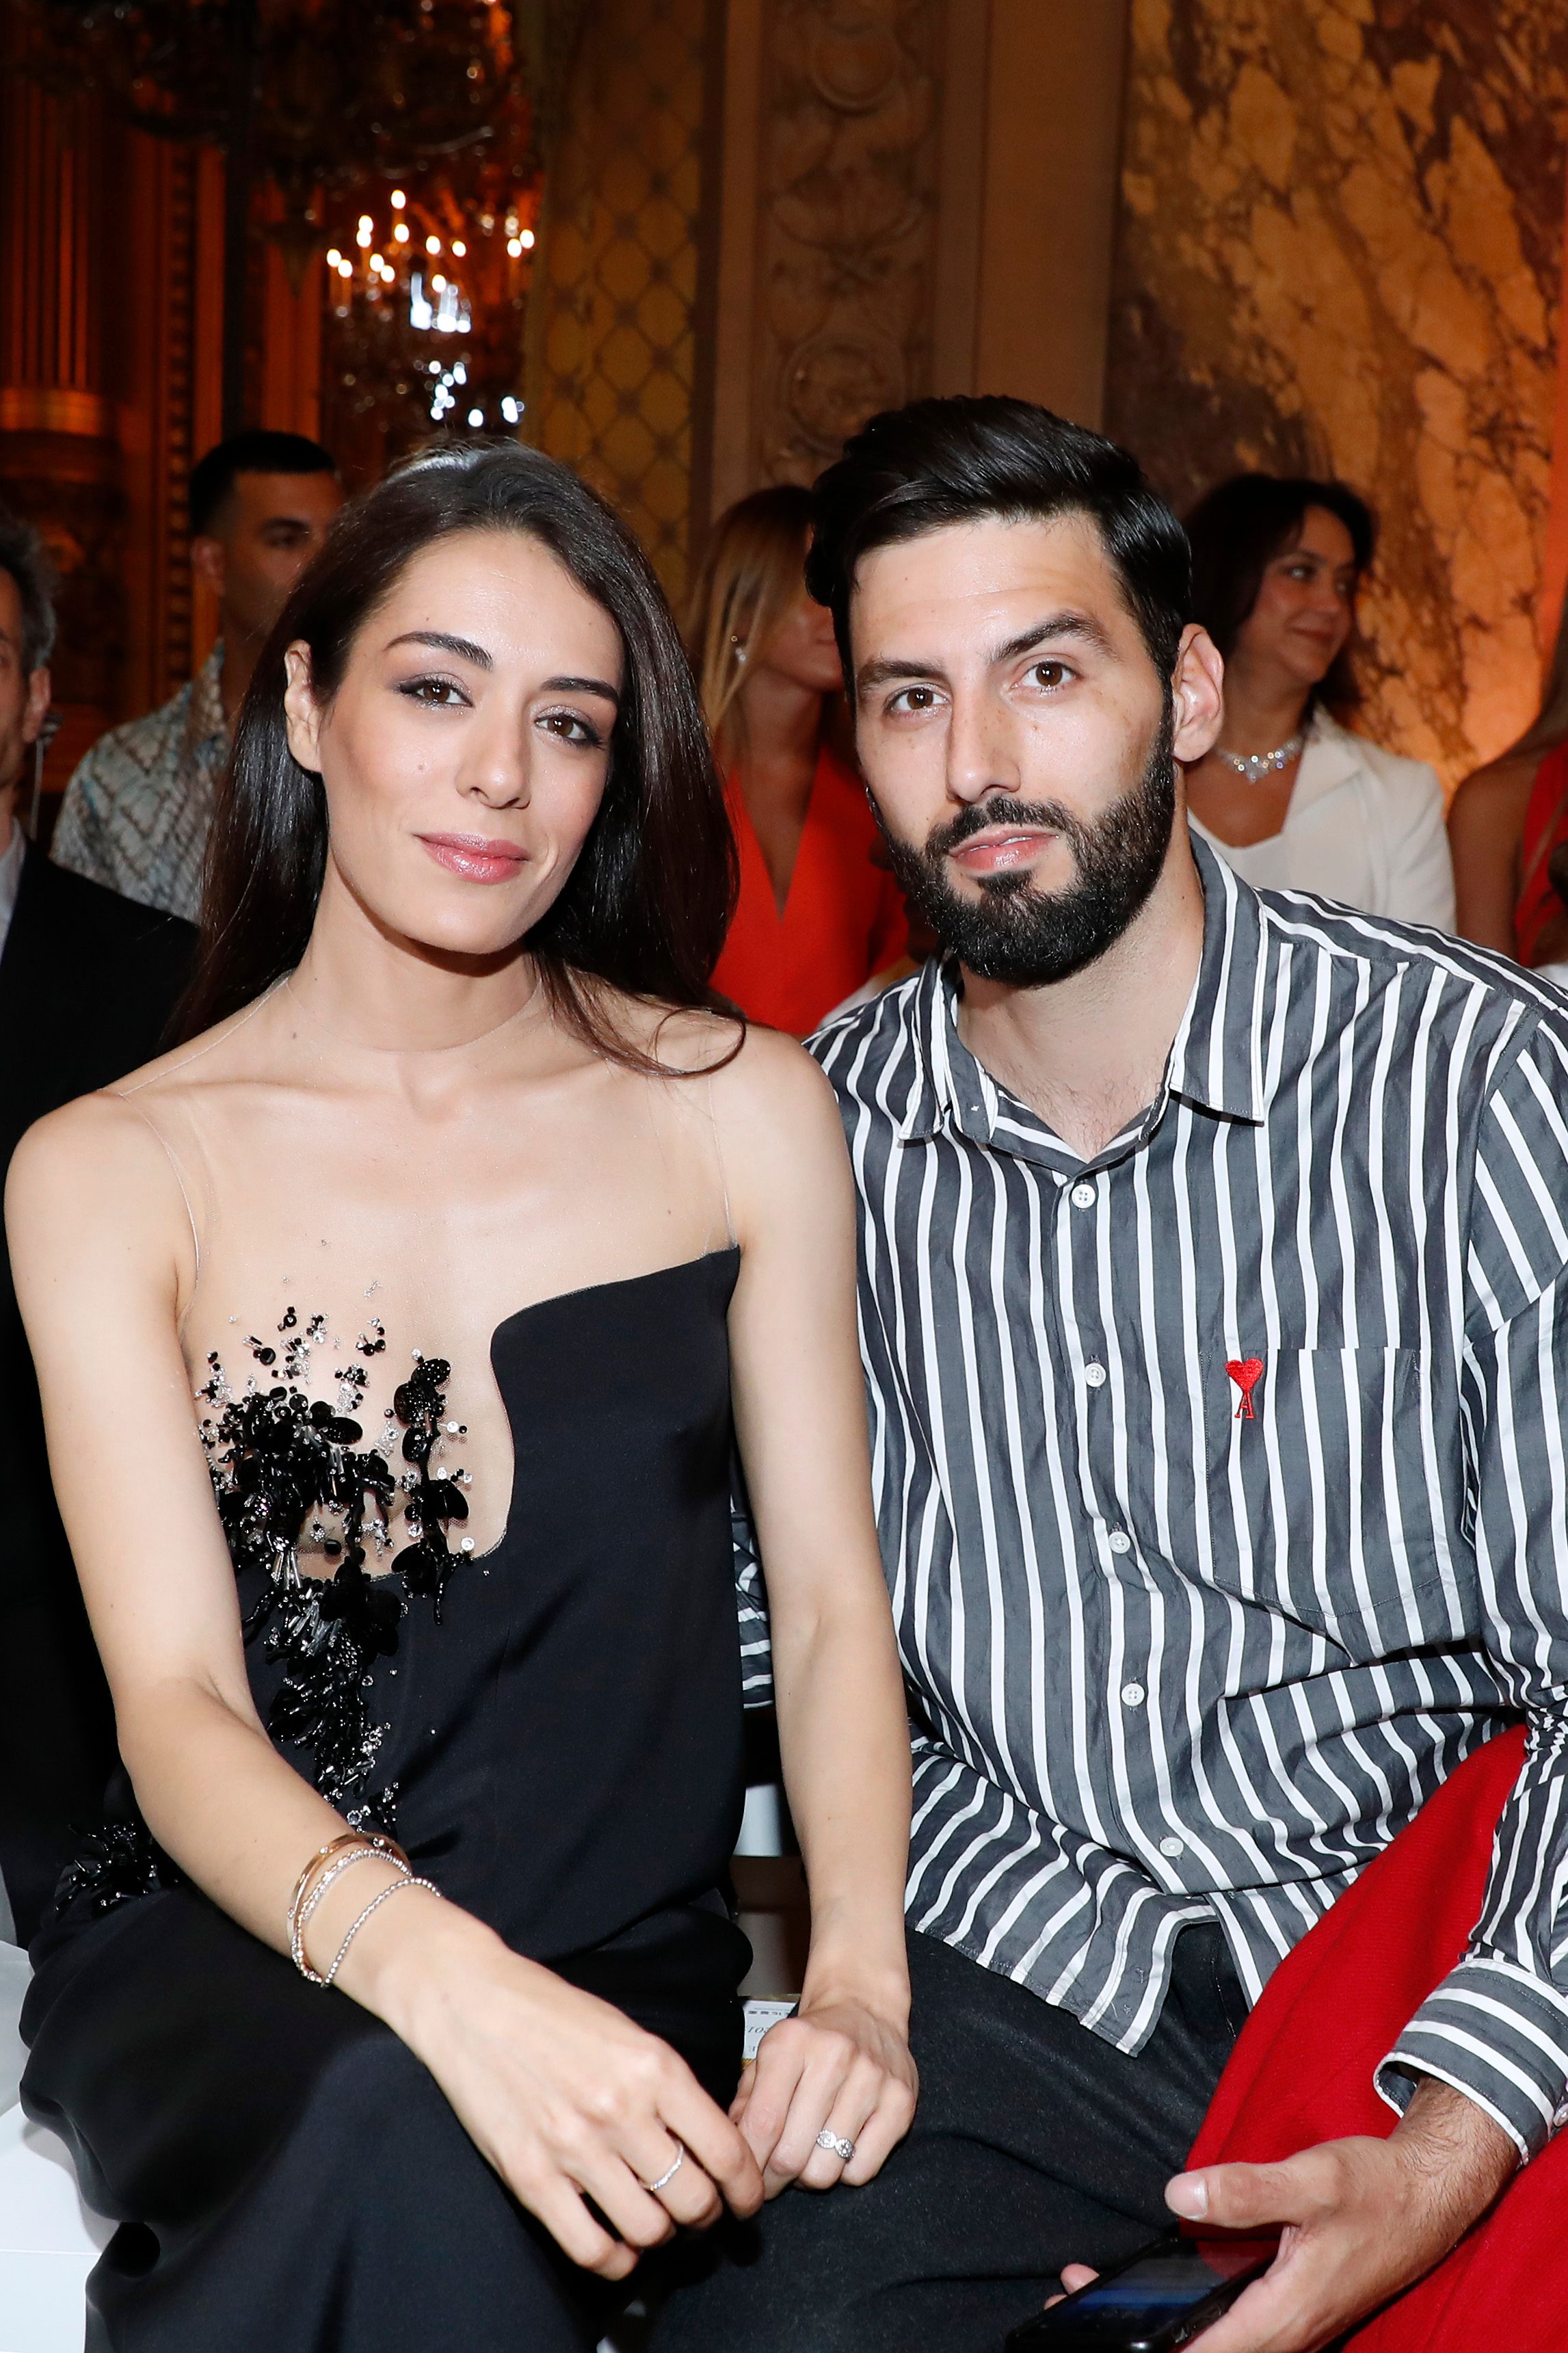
point(1256, 766)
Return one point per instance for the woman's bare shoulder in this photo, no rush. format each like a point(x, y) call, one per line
point(97, 1151)
point(107, 1156)
point(1501, 788)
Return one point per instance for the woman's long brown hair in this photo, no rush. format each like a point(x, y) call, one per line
point(646, 907)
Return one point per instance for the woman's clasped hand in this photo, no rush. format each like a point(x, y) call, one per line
point(580, 2110)
point(577, 2107)
point(838, 2068)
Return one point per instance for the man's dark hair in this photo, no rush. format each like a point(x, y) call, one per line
point(916, 470)
point(22, 556)
point(1239, 528)
point(254, 451)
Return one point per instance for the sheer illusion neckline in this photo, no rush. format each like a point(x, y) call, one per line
point(364, 1046)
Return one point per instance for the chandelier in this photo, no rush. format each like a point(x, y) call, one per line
point(438, 101)
point(427, 304)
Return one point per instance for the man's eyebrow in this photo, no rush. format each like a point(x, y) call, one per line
point(878, 673)
point(1056, 625)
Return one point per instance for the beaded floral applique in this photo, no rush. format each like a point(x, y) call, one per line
point(280, 1458)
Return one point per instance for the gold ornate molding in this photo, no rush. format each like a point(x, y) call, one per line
point(846, 221)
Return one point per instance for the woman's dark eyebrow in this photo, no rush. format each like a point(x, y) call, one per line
point(446, 644)
point(466, 650)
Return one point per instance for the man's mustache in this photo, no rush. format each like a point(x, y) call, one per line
point(980, 816)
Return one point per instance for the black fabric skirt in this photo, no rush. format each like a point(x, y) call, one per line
point(287, 2175)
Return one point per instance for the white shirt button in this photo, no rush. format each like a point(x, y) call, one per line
point(1083, 1196)
point(1119, 1540)
point(1172, 1845)
point(1095, 1375)
point(1131, 1695)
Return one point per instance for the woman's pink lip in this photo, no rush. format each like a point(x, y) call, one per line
point(473, 857)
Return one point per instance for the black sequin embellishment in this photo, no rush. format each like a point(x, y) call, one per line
point(114, 1863)
point(279, 1457)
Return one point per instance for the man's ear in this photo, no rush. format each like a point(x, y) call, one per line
point(209, 563)
point(1198, 687)
point(40, 687)
point(302, 712)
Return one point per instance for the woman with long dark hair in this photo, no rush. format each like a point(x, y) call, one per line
point(394, 1334)
point(1290, 795)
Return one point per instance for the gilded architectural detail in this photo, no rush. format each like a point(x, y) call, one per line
point(613, 366)
point(1341, 250)
point(847, 221)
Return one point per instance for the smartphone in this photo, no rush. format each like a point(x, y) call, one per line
point(1162, 2297)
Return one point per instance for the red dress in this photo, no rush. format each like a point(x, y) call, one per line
point(1545, 826)
point(843, 919)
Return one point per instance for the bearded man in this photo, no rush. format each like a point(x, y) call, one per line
point(1213, 1278)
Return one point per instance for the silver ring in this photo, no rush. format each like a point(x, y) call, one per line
point(653, 2187)
point(837, 2143)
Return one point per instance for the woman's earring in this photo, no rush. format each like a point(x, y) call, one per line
point(740, 649)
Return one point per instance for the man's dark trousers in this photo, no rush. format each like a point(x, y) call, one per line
point(1034, 2145)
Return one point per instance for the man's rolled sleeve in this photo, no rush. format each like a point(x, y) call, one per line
point(1497, 2026)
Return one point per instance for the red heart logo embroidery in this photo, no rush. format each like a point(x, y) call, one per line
point(1246, 1372)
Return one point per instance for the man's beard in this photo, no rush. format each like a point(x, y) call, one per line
point(1027, 938)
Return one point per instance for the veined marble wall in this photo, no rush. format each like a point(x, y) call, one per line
point(1341, 251)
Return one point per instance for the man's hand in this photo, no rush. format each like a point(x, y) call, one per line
point(1362, 2218)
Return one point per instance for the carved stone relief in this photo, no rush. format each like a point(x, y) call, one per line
point(847, 221)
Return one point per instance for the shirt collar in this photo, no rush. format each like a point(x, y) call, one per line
point(204, 722)
point(1215, 1062)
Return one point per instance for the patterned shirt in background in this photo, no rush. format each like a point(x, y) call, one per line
point(136, 813)
point(1223, 1476)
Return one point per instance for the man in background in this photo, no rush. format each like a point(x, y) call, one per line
point(136, 813)
point(87, 984)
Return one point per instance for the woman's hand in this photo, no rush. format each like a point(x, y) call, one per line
point(837, 2066)
point(562, 2093)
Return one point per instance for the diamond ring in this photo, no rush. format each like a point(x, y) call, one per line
point(651, 2187)
point(836, 2143)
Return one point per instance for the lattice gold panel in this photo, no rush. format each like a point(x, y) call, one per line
point(611, 382)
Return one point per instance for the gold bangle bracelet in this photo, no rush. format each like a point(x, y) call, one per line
point(374, 1841)
point(333, 1873)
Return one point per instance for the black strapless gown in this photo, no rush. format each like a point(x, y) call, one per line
point(562, 1749)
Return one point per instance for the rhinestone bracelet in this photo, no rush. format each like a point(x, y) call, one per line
point(396, 1888)
point(334, 1872)
point(299, 1906)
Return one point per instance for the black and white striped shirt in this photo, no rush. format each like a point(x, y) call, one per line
point(1222, 1479)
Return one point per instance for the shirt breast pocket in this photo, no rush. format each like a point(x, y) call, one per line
point(1321, 1500)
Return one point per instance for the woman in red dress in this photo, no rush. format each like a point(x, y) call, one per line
point(820, 917)
point(1507, 823)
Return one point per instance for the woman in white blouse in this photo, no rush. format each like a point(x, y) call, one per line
point(1292, 799)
